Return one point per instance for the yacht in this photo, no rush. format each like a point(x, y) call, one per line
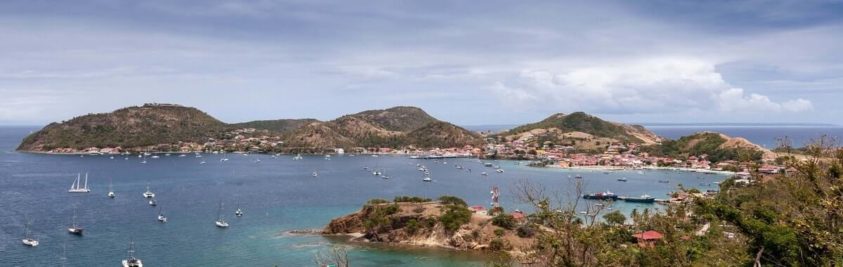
point(499, 170)
point(427, 179)
point(78, 187)
point(111, 193)
point(148, 194)
point(75, 228)
point(203, 162)
point(161, 217)
point(152, 202)
point(131, 261)
point(315, 174)
point(221, 223)
point(238, 212)
point(622, 179)
point(28, 240)
point(484, 174)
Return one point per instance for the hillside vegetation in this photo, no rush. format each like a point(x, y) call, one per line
point(154, 124)
point(146, 125)
point(717, 146)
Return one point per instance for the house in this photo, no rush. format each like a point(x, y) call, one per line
point(648, 238)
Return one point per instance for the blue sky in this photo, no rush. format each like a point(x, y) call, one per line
point(469, 62)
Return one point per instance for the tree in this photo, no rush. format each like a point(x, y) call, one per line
point(614, 218)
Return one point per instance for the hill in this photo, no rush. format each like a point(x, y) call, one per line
point(146, 125)
point(278, 126)
point(136, 128)
point(717, 146)
point(580, 130)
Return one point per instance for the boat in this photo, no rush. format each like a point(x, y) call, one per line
point(578, 177)
point(327, 157)
point(77, 186)
point(161, 217)
point(487, 164)
point(238, 212)
point(221, 223)
point(152, 202)
point(377, 173)
point(111, 193)
point(642, 199)
point(315, 174)
point(202, 162)
point(499, 170)
point(28, 240)
point(75, 228)
point(664, 181)
point(601, 196)
point(427, 179)
point(131, 261)
point(622, 179)
point(484, 174)
point(297, 157)
point(148, 194)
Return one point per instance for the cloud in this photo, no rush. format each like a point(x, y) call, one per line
point(655, 85)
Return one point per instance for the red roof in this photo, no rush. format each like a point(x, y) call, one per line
point(649, 235)
point(478, 208)
point(518, 215)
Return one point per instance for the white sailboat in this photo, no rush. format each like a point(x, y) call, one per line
point(28, 240)
point(75, 228)
point(238, 212)
point(148, 194)
point(131, 261)
point(77, 186)
point(111, 193)
point(161, 217)
point(427, 179)
point(221, 223)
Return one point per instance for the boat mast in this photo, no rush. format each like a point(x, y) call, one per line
point(86, 180)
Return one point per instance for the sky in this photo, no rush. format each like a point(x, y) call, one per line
point(467, 62)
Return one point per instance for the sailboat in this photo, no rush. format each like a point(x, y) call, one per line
point(111, 193)
point(297, 157)
point(77, 186)
point(28, 240)
point(131, 261)
point(152, 202)
point(315, 174)
point(220, 220)
point(238, 212)
point(161, 217)
point(148, 194)
point(75, 228)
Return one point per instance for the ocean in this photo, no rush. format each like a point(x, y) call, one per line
point(277, 194)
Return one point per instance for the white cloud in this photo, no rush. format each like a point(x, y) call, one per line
point(655, 85)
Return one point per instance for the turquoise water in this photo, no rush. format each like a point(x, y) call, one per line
point(276, 194)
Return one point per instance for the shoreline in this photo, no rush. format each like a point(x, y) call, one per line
point(616, 168)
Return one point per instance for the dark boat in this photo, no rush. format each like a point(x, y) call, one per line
point(664, 181)
point(642, 199)
point(601, 196)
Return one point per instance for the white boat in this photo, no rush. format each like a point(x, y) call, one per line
point(131, 261)
point(499, 170)
point(155, 157)
point(327, 157)
point(111, 193)
point(221, 223)
point(148, 194)
point(152, 202)
point(622, 179)
point(143, 162)
point(75, 228)
point(427, 179)
point(315, 174)
point(161, 217)
point(297, 157)
point(77, 186)
point(484, 173)
point(238, 212)
point(28, 240)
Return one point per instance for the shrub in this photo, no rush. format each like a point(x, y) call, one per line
point(525, 231)
point(454, 217)
point(376, 201)
point(413, 199)
point(614, 218)
point(412, 226)
point(504, 221)
point(452, 200)
point(499, 232)
point(498, 244)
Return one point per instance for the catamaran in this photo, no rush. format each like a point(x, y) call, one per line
point(111, 193)
point(220, 220)
point(297, 157)
point(148, 194)
point(75, 228)
point(131, 261)
point(28, 240)
point(77, 186)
